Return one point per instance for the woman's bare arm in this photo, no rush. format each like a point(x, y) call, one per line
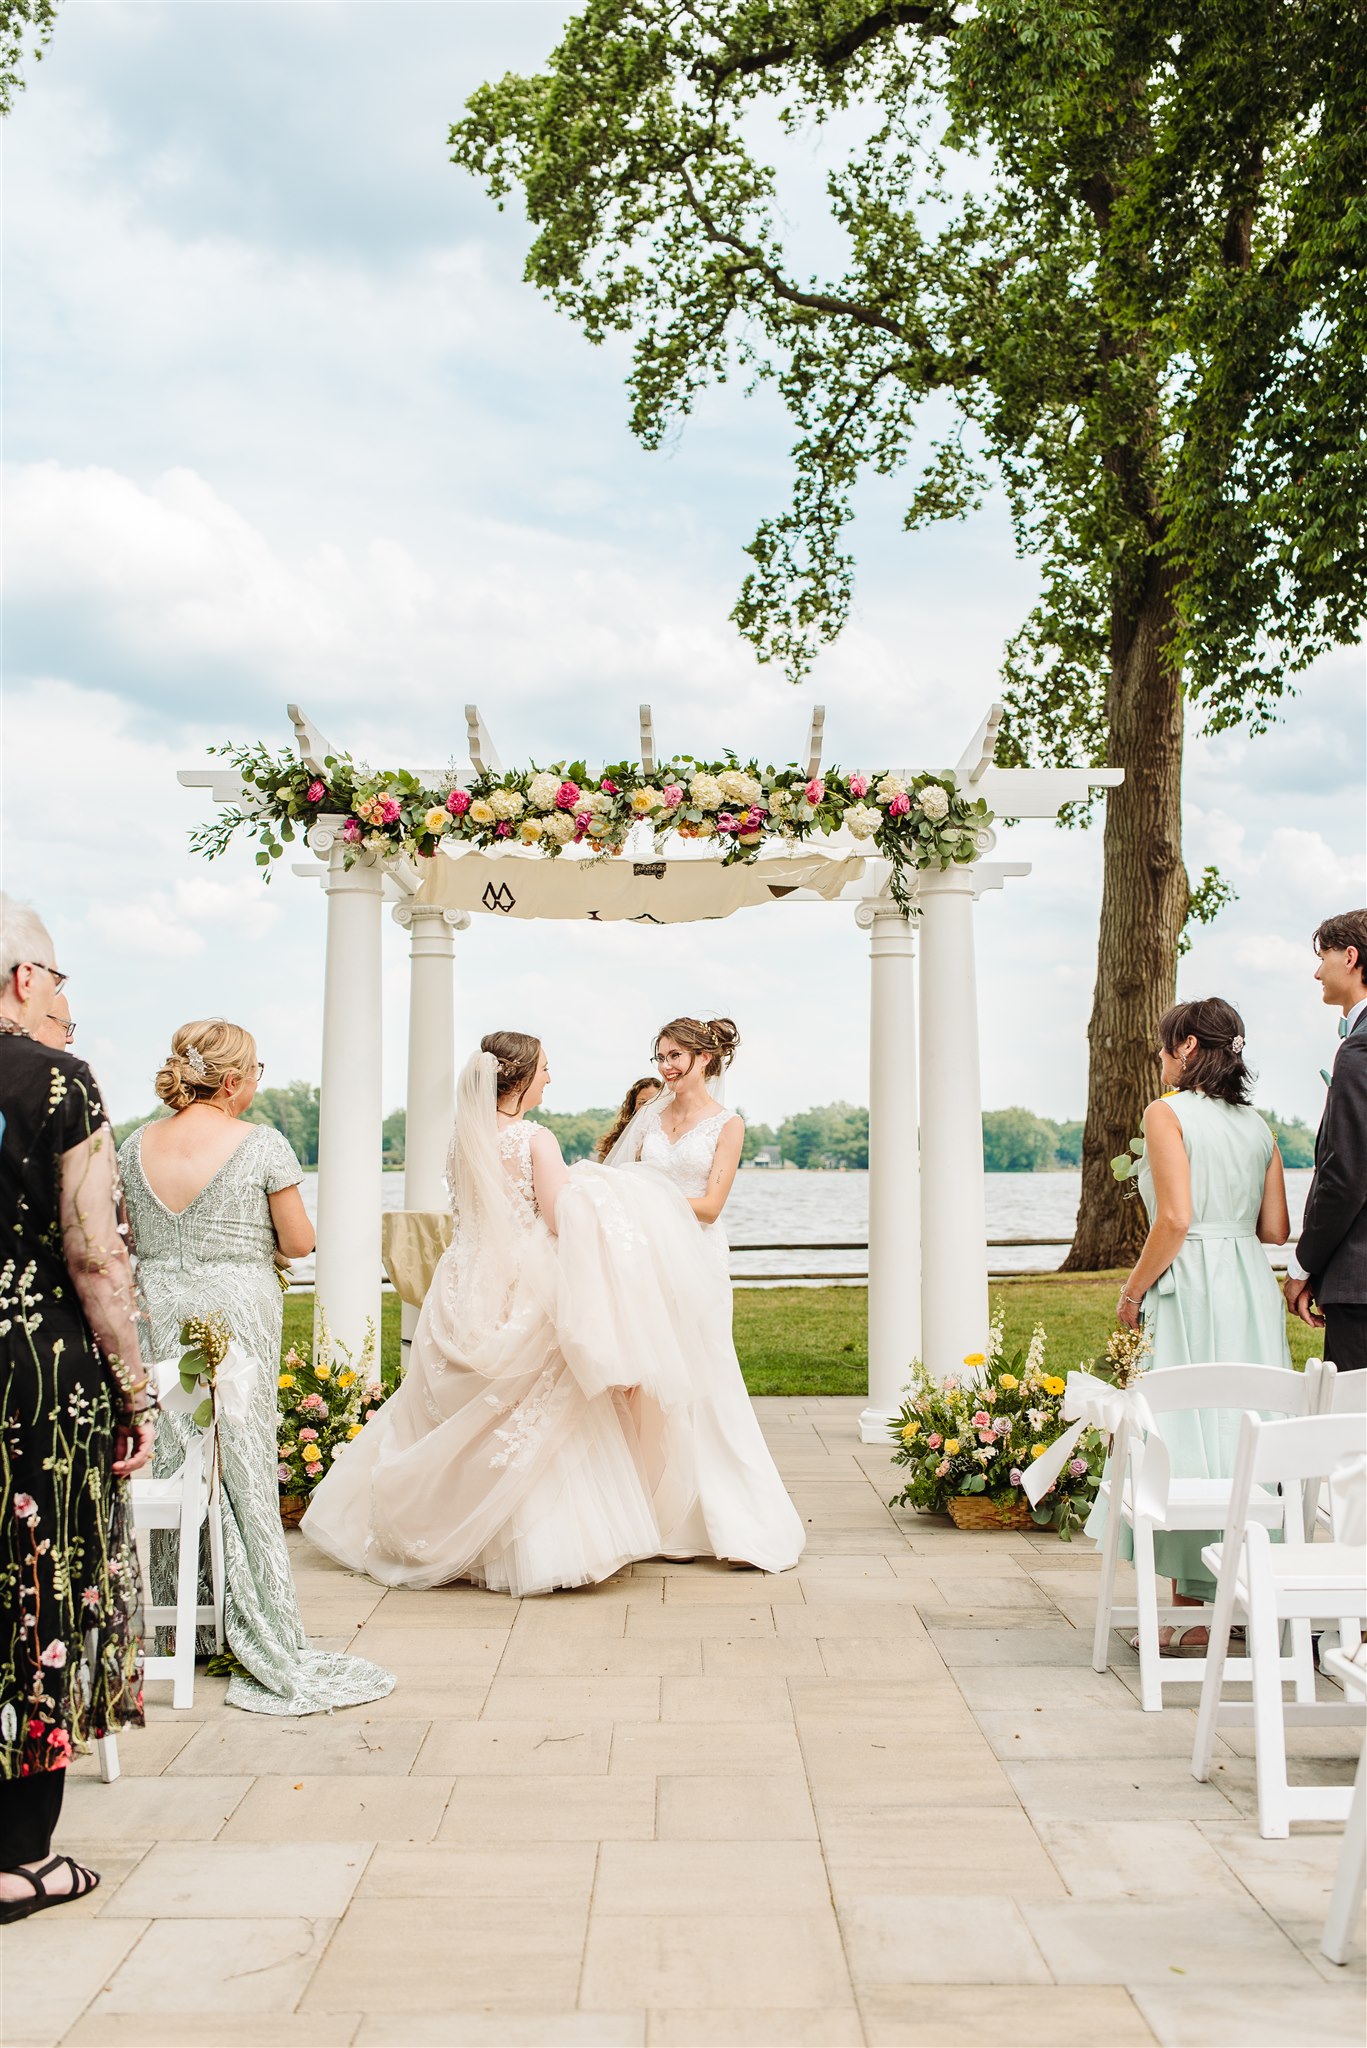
point(1274, 1217)
point(1168, 1163)
point(549, 1171)
point(290, 1221)
point(708, 1206)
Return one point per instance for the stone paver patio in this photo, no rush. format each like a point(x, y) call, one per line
point(881, 1799)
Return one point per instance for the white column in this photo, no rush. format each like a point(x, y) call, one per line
point(347, 1286)
point(431, 1101)
point(894, 1170)
point(954, 1219)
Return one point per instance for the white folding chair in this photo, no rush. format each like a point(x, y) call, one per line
point(1138, 1473)
point(1275, 1589)
point(1346, 1898)
point(183, 1502)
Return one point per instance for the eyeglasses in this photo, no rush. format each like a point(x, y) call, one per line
point(58, 978)
point(260, 1069)
point(66, 1023)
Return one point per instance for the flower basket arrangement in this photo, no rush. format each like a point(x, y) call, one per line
point(324, 1400)
point(914, 821)
point(967, 1445)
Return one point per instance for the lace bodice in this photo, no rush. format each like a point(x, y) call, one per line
point(688, 1161)
point(515, 1150)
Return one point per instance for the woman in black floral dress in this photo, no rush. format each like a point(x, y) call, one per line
point(73, 1424)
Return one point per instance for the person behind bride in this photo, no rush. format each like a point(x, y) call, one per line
point(508, 1456)
point(211, 1199)
point(717, 1490)
point(637, 1096)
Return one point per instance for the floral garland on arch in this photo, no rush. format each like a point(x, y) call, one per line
point(914, 821)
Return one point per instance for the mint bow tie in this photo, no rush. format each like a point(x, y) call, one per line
point(1343, 1027)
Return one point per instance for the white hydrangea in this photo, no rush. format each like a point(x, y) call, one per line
point(560, 827)
point(891, 785)
point(595, 803)
point(738, 787)
point(541, 789)
point(934, 801)
point(706, 792)
point(508, 803)
point(863, 820)
point(778, 802)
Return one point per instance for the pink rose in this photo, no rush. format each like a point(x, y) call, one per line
point(282, 1473)
point(987, 1436)
point(308, 1436)
point(934, 1442)
point(25, 1507)
point(389, 810)
point(672, 795)
point(1077, 1466)
point(316, 792)
point(567, 796)
point(54, 1656)
point(898, 806)
point(608, 788)
point(458, 803)
point(815, 790)
point(351, 831)
point(981, 1419)
point(942, 1468)
point(503, 829)
point(859, 785)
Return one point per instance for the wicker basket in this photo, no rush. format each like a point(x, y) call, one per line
point(976, 1511)
point(292, 1508)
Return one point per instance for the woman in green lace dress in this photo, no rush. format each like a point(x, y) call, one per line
point(211, 1201)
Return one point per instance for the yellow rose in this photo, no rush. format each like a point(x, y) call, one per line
point(1037, 1450)
point(286, 1379)
point(951, 1446)
point(355, 1429)
point(974, 1358)
point(436, 820)
point(320, 1372)
point(312, 1454)
point(530, 830)
point(1009, 1382)
point(1053, 1384)
point(643, 800)
point(911, 1432)
point(481, 813)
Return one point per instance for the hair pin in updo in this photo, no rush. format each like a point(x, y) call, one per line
point(194, 1060)
point(1236, 1044)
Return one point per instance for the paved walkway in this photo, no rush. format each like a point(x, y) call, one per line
point(881, 1799)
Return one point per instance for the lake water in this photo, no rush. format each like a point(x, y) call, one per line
point(806, 1209)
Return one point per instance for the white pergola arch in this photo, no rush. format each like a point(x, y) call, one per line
point(927, 1259)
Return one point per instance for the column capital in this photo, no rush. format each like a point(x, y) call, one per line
point(888, 930)
point(412, 915)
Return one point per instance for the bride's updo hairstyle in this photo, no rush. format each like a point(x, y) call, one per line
point(517, 1053)
point(719, 1040)
point(202, 1055)
point(1216, 1068)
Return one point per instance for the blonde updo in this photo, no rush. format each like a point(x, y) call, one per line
point(202, 1055)
point(719, 1040)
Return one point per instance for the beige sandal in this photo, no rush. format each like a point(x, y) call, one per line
point(1172, 1641)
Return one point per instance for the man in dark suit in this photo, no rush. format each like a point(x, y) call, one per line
point(1329, 1266)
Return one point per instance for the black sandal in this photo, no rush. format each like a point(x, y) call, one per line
point(82, 1881)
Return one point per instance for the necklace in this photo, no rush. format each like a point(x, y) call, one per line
point(12, 1030)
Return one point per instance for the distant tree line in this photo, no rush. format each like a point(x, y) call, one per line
point(835, 1134)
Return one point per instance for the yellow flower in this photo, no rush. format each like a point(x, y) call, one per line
point(355, 1429)
point(912, 1430)
point(951, 1446)
point(320, 1372)
point(286, 1379)
point(530, 830)
point(1053, 1384)
point(437, 819)
point(974, 1358)
point(346, 1379)
point(1037, 1450)
point(481, 813)
point(1009, 1382)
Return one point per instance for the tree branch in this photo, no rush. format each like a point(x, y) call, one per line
point(898, 14)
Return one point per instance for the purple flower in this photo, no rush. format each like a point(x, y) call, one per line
point(503, 830)
point(282, 1473)
point(1015, 1475)
point(351, 831)
point(1077, 1466)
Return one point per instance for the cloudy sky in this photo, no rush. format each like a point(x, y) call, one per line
point(283, 423)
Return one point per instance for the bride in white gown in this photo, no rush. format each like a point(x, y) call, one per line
point(716, 1488)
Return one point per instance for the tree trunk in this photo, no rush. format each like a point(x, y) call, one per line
point(1143, 909)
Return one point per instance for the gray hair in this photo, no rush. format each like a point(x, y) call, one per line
point(23, 936)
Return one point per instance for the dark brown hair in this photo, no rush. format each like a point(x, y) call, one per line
point(631, 1102)
point(720, 1040)
point(1337, 934)
point(517, 1053)
point(1216, 1068)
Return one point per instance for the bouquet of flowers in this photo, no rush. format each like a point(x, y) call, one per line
point(978, 1434)
point(324, 1401)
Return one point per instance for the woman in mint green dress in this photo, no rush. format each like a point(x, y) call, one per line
point(1211, 1180)
point(211, 1200)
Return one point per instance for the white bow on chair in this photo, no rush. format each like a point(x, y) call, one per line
point(1090, 1403)
point(233, 1379)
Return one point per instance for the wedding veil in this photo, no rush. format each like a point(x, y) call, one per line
point(476, 1179)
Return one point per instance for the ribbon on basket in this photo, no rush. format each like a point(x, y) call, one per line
point(1090, 1403)
point(233, 1376)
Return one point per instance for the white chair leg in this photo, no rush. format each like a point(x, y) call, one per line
point(1146, 1612)
point(107, 1755)
point(1303, 1662)
point(187, 1601)
point(1351, 1881)
point(1212, 1682)
point(215, 1527)
point(1265, 1670)
point(1110, 1553)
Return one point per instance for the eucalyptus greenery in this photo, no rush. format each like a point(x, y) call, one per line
point(1120, 242)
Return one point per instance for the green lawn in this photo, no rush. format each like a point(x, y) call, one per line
point(812, 1340)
